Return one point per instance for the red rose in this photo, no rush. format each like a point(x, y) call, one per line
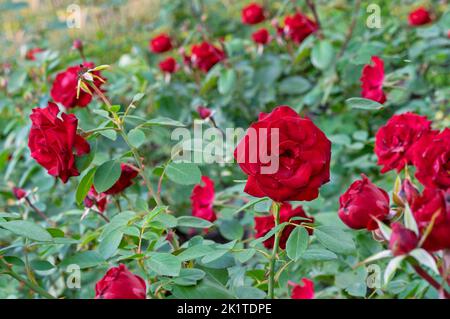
point(419, 16)
point(253, 14)
point(161, 43)
point(263, 224)
point(19, 193)
point(372, 78)
point(125, 180)
point(432, 209)
point(95, 199)
point(203, 112)
point(205, 56)
point(31, 53)
point(168, 65)
point(52, 141)
point(402, 240)
point(202, 200)
point(303, 291)
point(362, 201)
point(408, 192)
point(394, 141)
point(298, 26)
point(261, 36)
point(120, 283)
point(298, 164)
point(431, 157)
point(64, 88)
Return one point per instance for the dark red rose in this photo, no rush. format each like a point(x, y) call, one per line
point(53, 139)
point(30, 55)
point(64, 89)
point(168, 65)
point(431, 157)
point(19, 193)
point(402, 240)
point(161, 43)
point(205, 55)
point(303, 291)
point(253, 14)
point(394, 141)
point(297, 163)
point(419, 16)
point(77, 44)
point(298, 27)
point(203, 112)
point(125, 180)
point(372, 78)
point(120, 283)
point(202, 200)
point(263, 224)
point(261, 36)
point(408, 192)
point(432, 209)
point(363, 201)
point(95, 199)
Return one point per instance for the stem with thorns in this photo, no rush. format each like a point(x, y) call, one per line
point(276, 215)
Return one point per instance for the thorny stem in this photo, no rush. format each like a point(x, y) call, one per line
point(422, 273)
point(39, 212)
point(276, 215)
point(312, 7)
point(350, 29)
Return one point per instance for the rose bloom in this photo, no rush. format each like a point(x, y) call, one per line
point(298, 26)
point(402, 240)
point(372, 78)
point(168, 65)
point(394, 141)
point(264, 224)
point(30, 55)
point(431, 157)
point(432, 209)
point(64, 88)
point(361, 202)
point(19, 193)
point(303, 155)
point(420, 16)
point(77, 44)
point(203, 112)
point(305, 290)
point(95, 199)
point(205, 55)
point(202, 200)
point(261, 36)
point(120, 283)
point(253, 14)
point(125, 180)
point(53, 140)
point(161, 43)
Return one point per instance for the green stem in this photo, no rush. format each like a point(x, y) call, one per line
point(29, 284)
point(276, 215)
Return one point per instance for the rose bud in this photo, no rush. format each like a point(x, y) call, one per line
point(202, 200)
point(420, 16)
point(205, 55)
point(120, 283)
point(168, 65)
point(203, 112)
point(264, 224)
point(261, 36)
point(161, 43)
point(303, 291)
point(361, 203)
point(372, 78)
point(298, 27)
point(54, 142)
point(402, 240)
point(253, 14)
point(394, 141)
point(125, 180)
point(408, 192)
point(19, 193)
point(95, 199)
point(77, 45)
point(30, 55)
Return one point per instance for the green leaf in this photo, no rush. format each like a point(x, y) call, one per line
point(84, 259)
point(318, 254)
point(322, 54)
point(227, 81)
point(294, 85)
point(109, 244)
point(189, 276)
point(423, 257)
point(41, 265)
point(193, 222)
point(363, 104)
point(27, 229)
point(163, 121)
point(136, 137)
point(164, 264)
point(409, 220)
point(206, 289)
point(297, 243)
point(335, 239)
point(392, 266)
point(137, 97)
point(194, 252)
point(184, 173)
point(231, 229)
point(106, 175)
point(249, 204)
point(84, 185)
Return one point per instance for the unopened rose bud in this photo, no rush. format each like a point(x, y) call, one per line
point(19, 193)
point(402, 240)
point(408, 192)
point(203, 112)
point(77, 44)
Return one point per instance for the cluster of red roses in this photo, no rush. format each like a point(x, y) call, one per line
point(406, 139)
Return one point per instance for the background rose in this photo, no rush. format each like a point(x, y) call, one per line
point(161, 43)
point(253, 14)
point(420, 16)
point(372, 79)
point(120, 283)
point(205, 55)
point(202, 200)
point(402, 240)
point(298, 26)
